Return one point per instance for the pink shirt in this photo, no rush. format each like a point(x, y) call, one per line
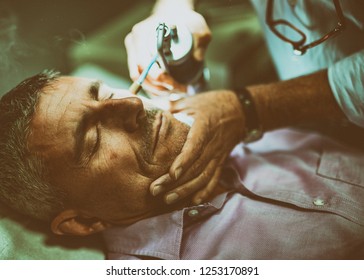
point(291, 195)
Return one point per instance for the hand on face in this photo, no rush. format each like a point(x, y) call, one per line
point(217, 128)
point(104, 147)
point(141, 48)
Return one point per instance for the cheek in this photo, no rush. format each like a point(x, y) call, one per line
point(122, 159)
point(124, 196)
point(116, 153)
point(113, 156)
point(172, 146)
point(125, 168)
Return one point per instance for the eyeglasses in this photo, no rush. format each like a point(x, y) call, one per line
point(299, 46)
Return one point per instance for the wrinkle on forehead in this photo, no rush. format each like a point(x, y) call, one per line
point(43, 131)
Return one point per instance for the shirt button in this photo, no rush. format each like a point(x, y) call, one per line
point(193, 213)
point(319, 202)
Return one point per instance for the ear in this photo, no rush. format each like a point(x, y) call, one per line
point(71, 222)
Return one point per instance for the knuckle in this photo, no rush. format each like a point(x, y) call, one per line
point(128, 39)
point(136, 28)
point(186, 190)
point(205, 175)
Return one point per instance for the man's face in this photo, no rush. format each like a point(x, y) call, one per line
point(104, 147)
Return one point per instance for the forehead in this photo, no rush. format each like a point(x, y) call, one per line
point(64, 87)
point(57, 98)
point(60, 93)
point(58, 103)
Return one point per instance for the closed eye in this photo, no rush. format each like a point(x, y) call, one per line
point(91, 145)
point(97, 142)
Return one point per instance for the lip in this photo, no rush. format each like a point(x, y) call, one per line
point(158, 126)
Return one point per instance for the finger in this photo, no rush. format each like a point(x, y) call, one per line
point(131, 57)
point(197, 139)
point(188, 105)
point(153, 87)
point(178, 105)
point(158, 81)
point(201, 41)
point(155, 72)
point(192, 186)
point(205, 193)
point(141, 46)
point(160, 185)
point(155, 91)
point(201, 34)
point(159, 78)
point(166, 183)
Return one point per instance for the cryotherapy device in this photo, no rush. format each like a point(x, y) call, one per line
point(173, 49)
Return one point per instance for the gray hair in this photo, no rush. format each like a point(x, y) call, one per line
point(23, 176)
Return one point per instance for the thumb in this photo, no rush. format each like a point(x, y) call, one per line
point(176, 106)
point(201, 42)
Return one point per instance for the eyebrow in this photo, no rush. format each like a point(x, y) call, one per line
point(79, 136)
point(93, 90)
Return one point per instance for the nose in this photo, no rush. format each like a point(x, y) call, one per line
point(128, 112)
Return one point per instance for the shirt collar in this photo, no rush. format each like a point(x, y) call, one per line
point(158, 237)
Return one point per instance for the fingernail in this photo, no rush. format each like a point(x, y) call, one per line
point(157, 190)
point(198, 201)
point(155, 71)
point(170, 198)
point(178, 172)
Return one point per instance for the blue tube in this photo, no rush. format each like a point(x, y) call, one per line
point(146, 70)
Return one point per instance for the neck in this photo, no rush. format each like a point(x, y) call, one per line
point(187, 202)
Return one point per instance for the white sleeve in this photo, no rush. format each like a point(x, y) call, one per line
point(346, 78)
